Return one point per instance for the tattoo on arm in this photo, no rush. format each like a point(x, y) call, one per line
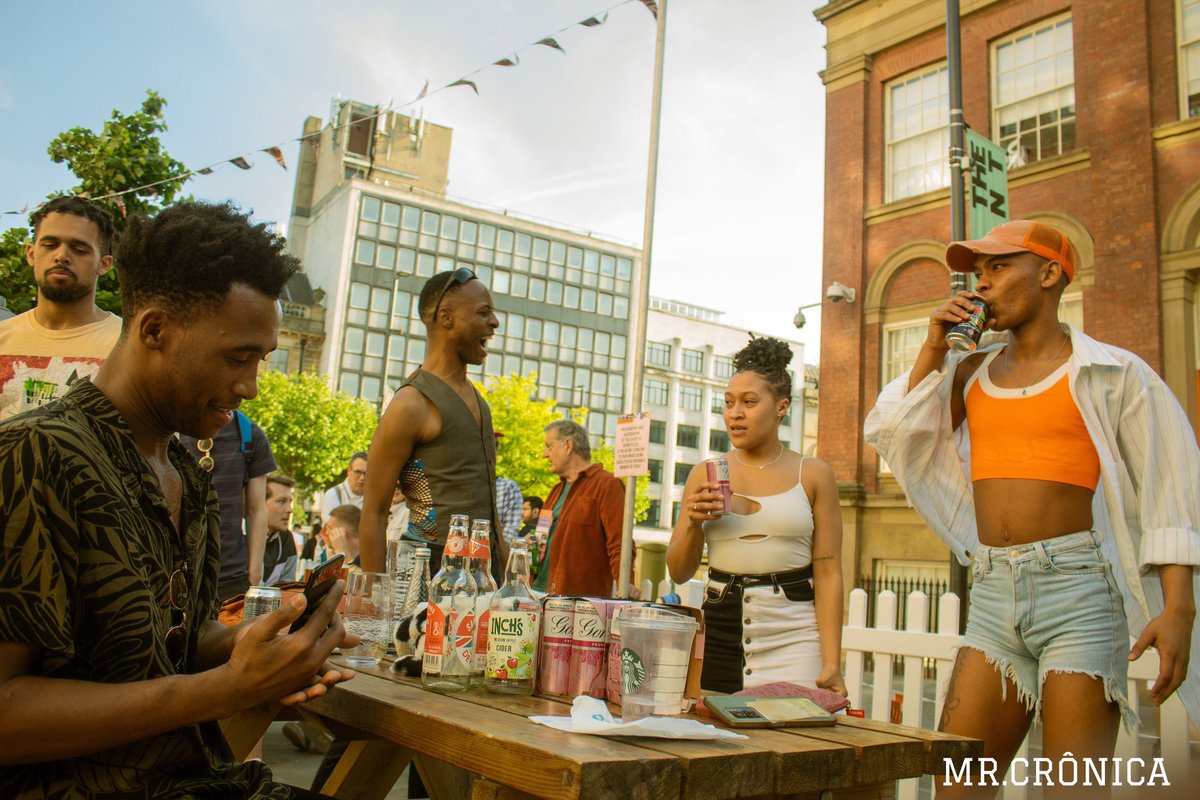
point(823, 558)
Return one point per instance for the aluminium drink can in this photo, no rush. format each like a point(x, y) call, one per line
point(718, 473)
point(964, 337)
point(589, 637)
point(554, 664)
point(261, 600)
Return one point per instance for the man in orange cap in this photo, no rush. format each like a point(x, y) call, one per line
point(1078, 513)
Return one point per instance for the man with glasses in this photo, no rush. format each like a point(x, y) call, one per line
point(113, 668)
point(436, 436)
point(350, 491)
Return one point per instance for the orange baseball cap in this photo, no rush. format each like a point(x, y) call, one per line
point(1018, 236)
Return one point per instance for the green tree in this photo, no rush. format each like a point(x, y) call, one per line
point(125, 154)
point(313, 430)
point(522, 418)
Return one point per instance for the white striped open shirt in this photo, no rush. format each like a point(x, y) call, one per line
point(1148, 501)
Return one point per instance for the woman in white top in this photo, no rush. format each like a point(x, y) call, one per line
point(773, 605)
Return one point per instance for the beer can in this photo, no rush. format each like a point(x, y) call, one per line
point(718, 473)
point(261, 600)
point(964, 337)
point(554, 665)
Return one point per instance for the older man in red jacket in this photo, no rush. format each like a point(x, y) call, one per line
point(583, 547)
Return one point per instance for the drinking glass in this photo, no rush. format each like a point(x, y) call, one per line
point(368, 615)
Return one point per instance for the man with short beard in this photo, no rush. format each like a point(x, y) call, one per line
point(65, 336)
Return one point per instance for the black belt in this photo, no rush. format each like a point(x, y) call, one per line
point(775, 579)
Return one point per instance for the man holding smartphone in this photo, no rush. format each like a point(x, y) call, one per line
point(113, 668)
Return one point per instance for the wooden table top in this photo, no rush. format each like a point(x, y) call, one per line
point(490, 735)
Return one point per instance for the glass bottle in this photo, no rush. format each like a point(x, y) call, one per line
point(514, 620)
point(479, 564)
point(450, 620)
point(416, 597)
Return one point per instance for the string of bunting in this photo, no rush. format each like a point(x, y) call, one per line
point(276, 151)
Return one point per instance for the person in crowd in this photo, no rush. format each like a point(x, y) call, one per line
point(530, 509)
point(397, 515)
point(436, 435)
point(582, 553)
point(312, 544)
point(66, 335)
point(113, 668)
point(280, 555)
point(1079, 514)
point(342, 533)
point(773, 604)
point(349, 491)
point(241, 459)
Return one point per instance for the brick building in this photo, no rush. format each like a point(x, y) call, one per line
point(1098, 105)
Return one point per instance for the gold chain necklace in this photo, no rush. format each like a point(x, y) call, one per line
point(1051, 360)
point(756, 466)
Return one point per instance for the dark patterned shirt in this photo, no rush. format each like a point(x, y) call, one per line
point(87, 549)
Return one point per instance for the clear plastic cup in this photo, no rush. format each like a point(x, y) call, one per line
point(656, 649)
point(367, 614)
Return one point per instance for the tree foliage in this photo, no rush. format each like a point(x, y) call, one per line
point(522, 418)
point(125, 154)
point(313, 430)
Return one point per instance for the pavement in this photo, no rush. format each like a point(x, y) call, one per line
point(296, 768)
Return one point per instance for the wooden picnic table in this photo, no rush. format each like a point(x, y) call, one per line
point(480, 745)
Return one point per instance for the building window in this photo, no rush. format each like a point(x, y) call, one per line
point(1034, 91)
point(681, 473)
point(658, 431)
point(718, 441)
point(279, 359)
point(656, 466)
point(918, 133)
point(691, 398)
point(656, 392)
point(723, 367)
point(658, 354)
point(652, 514)
point(901, 343)
point(675, 507)
point(1189, 56)
point(1070, 310)
point(693, 361)
point(687, 436)
point(717, 406)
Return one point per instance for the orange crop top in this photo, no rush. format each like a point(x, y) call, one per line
point(1039, 435)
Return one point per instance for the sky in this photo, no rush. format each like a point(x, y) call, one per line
point(564, 137)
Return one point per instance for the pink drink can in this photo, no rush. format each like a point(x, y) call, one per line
point(718, 473)
point(588, 638)
point(554, 667)
point(612, 687)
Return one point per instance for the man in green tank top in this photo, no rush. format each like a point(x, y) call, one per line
point(436, 436)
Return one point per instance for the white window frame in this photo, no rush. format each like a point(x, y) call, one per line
point(1016, 156)
point(1184, 46)
point(885, 365)
point(942, 130)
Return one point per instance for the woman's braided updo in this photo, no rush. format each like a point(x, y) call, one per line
point(768, 357)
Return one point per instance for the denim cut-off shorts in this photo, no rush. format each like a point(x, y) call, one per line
point(1050, 606)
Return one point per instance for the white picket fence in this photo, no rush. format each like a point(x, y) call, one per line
point(913, 645)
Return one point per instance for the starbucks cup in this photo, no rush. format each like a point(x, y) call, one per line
point(656, 648)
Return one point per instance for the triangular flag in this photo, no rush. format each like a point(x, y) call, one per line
point(204, 171)
point(277, 154)
point(240, 162)
point(464, 82)
point(120, 204)
point(549, 41)
point(508, 62)
point(424, 90)
point(651, 6)
point(592, 22)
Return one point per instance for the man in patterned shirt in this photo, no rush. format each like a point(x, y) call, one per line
point(113, 669)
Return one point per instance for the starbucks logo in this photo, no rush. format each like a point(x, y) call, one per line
point(633, 672)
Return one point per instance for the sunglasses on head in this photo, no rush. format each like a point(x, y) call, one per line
point(459, 276)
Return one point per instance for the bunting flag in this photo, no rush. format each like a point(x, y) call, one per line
point(314, 139)
point(464, 82)
point(277, 154)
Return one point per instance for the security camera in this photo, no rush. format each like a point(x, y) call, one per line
point(837, 292)
point(799, 320)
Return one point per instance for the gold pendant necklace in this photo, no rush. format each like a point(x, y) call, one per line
point(205, 448)
point(757, 466)
point(1051, 360)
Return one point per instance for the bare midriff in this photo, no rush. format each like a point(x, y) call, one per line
point(1018, 511)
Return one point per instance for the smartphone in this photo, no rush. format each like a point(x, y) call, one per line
point(320, 581)
point(769, 712)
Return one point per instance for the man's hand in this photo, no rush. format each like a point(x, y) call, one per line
point(1170, 633)
point(269, 665)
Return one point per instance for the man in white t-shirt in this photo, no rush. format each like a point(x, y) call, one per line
point(65, 336)
point(350, 491)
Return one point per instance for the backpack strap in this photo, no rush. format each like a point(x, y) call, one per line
point(247, 446)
